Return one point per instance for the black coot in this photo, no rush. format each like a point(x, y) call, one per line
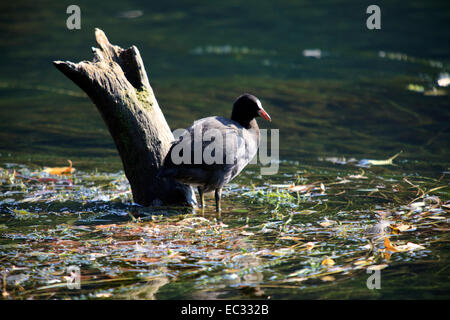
point(214, 150)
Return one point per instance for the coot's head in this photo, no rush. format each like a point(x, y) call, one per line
point(246, 108)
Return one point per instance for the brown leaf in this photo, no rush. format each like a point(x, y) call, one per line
point(143, 259)
point(301, 188)
point(291, 238)
point(106, 226)
point(388, 245)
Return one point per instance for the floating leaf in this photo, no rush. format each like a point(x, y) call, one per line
point(402, 227)
point(357, 176)
point(106, 226)
point(301, 188)
point(402, 248)
point(410, 247)
point(322, 187)
point(368, 162)
point(283, 251)
point(386, 255)
point(416, 205)
point(328, 278)
point(290, 238)
point(388, 245)
point(60, 170)
point(444, 80)
point(309, 245)
point(328, 262)
point(327, 223)
point(415, 87)
point(282, 186)
point(377, 267)
point(103, 295)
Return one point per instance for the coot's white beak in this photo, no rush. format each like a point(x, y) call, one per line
point(263, 114)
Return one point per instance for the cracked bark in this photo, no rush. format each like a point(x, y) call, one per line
point(117, 83)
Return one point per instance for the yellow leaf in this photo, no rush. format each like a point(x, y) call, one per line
point(328, 278)
point(388, 245)
point(60, 170)
point(328, 262)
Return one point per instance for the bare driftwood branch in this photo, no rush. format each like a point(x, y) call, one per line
point(117, 83)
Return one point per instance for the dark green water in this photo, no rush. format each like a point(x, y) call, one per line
point(353, 101)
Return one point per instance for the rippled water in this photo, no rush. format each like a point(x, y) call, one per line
point(334, 89)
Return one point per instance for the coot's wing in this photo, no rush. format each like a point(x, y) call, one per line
point(213, 150)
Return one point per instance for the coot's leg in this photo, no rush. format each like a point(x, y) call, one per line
point(218, 195)
point(202, 199)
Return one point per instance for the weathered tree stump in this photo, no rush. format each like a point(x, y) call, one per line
point(117, 83)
